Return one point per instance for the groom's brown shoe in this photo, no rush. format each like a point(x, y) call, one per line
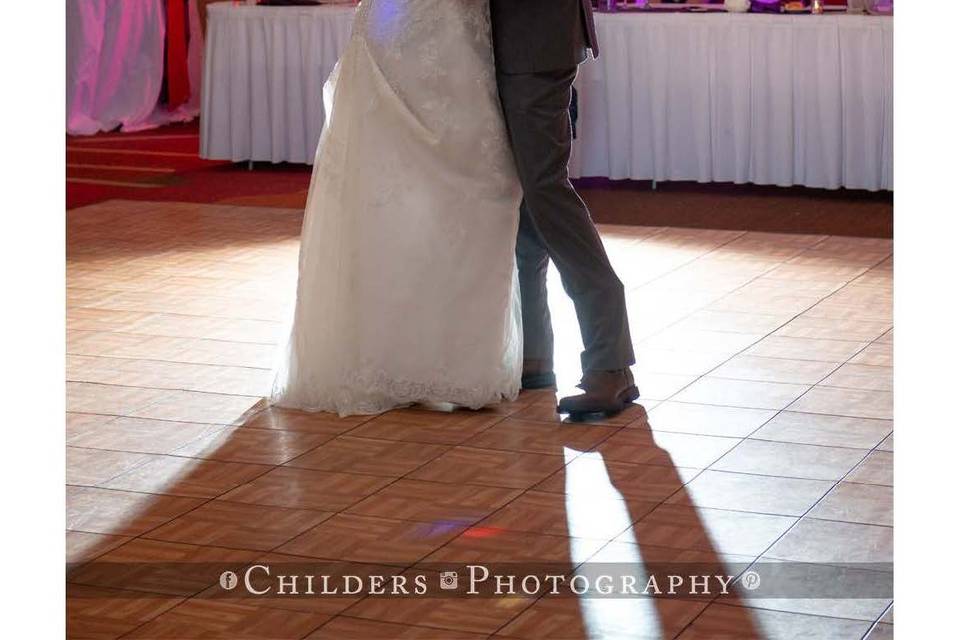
point(607, 392)
point(538, 374)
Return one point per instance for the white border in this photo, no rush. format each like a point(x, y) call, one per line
point(32, 46)
point(927, 230)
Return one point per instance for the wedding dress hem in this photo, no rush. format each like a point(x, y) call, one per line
point(379, 394)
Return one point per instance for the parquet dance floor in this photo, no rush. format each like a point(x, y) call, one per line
point(764, 431)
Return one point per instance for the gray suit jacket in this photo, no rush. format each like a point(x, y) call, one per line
point(531, 36)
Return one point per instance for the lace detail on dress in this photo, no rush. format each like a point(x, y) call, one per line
point(372, 392)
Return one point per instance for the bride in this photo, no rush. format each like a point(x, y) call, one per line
point(407, 290)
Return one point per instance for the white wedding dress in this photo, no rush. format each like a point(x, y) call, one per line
point(407, 288)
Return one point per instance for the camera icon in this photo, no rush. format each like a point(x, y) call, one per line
point(449, 580)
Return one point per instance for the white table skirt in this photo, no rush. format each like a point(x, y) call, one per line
point(783, 100)
point(115, 65)
point(263, 79)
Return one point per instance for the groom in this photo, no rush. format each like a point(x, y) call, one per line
point(538, 45)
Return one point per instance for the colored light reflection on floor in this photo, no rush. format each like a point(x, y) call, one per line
point(442, 527)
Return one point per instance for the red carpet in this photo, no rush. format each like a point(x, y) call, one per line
point(163, 165)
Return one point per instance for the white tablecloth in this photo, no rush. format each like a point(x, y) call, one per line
point(115, 65)
point(768, 99)
point(263, 79)
point(783, 100)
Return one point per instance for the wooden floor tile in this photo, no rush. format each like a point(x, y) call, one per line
point(190, 406)
point(373, 540)
point(736, 322)
point(144, 436)
point(252, 446)
point(747, 492)
point(642, 446)
point(569, 617)
point(184, 326)
point(861, 376)
point(791, 460)
point(877, 468)
point(855, 403)
point(437, 427)
point(93, 612)
point(780, 370)
point(363, 455)
point(717, 531)
point(741, 393)
point(547, 412)
point(453, 615)
point(168, 375)
point(197, 351)
point(680, 362)
point(109, 399)
point(287, 420)
point(343, 628)
point(488, 467)
point(122, 513)
point(831, 329)
point(780, 346)
point(824, 430)
point(307, 489)
point(191, 477)
point(81, 423)
point(877, 354)
point(83, 546)
point(95, 466)
point(708, 420)
point(224, 620)
point(600, 518)
point(433, 501)
point(862, 503)
point(101, 319)
point(485, 545)
point(239, 526)
point(659, 386)
point(882, 631)
point(538, 437)
point(887, 444)
point(724, 622)
point(155, 566)
point(591, 474)
point(633, 557)
point(825, 541)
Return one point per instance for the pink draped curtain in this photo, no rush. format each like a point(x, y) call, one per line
point(115, 62)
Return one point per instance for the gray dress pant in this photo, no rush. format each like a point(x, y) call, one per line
point(556, 225)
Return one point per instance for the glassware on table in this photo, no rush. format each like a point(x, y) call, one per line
point(736, 6)
point(880, 7)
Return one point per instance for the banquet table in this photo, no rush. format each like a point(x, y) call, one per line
point(766, 99)
point(115, 62)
